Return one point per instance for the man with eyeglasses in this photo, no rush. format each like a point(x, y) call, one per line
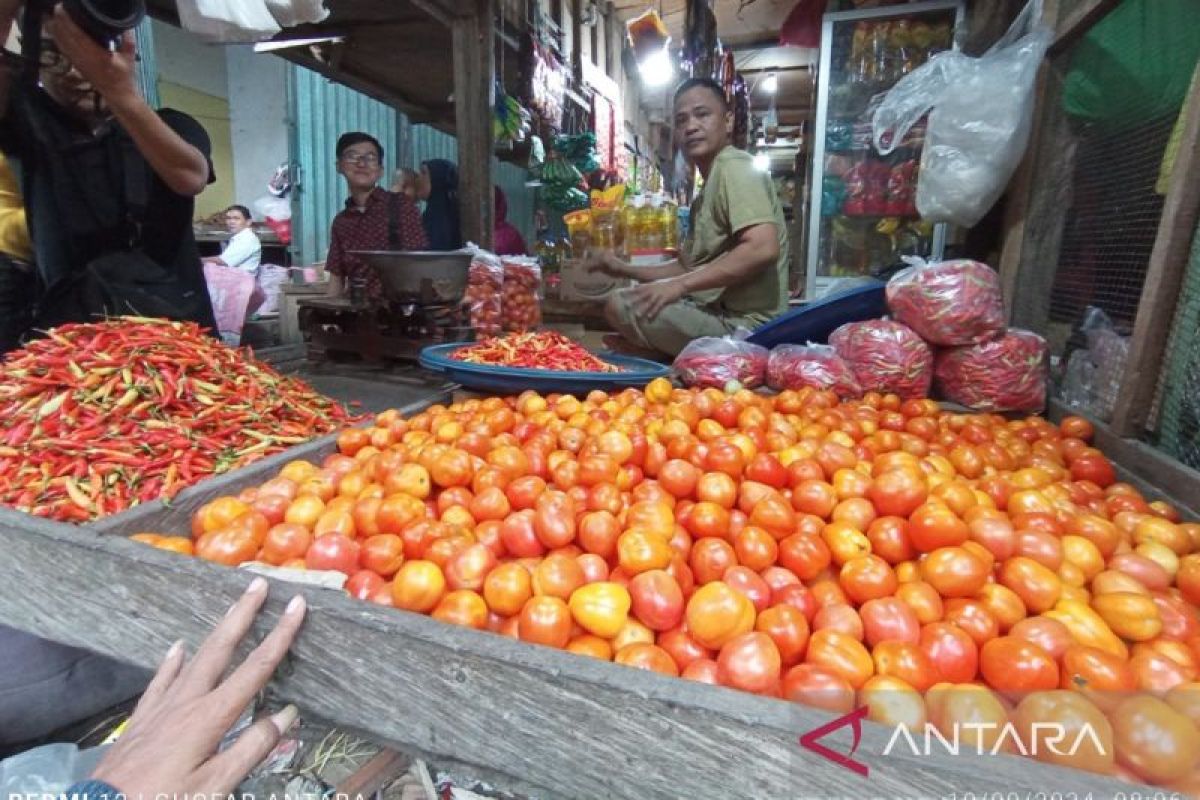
point(373, 219)
point(109, 183)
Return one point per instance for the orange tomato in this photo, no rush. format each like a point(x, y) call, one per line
point(717, 613)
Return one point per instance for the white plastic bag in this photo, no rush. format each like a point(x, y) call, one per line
point(228, 20)
point(979, 126)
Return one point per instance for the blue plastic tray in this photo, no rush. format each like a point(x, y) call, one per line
point(815, 321)
point(513, 380)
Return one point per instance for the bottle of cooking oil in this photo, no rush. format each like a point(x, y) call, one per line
point(651, 225)
point(668, 221)
point(631, 222)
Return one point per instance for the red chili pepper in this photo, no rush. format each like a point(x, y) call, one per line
point(97, 417)
point(547, 350)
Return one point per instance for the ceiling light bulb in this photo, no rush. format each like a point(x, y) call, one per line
point(657, 70)
point(771, 83)
point(762, 162)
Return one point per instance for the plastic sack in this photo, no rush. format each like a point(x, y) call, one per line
point(230, 291)
point(886, 356)
point(980, 122)
point(270, 277)
point(795, 366)
point(712, 361)
point(484, 293)
point(1109, 351)
point(272, 207)
point(951, 303)
point(277, 211)
point(522, 303)
point(1007, 374)
point(48, 770)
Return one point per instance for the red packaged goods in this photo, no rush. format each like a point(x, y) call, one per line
point(715, 362)
point(951, 303)
point(1008, 374)
point(794, 366)
point(885, 356)
point(485, 288)
point(522, 309)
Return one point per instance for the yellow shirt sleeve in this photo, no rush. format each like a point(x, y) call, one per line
point(14, 233)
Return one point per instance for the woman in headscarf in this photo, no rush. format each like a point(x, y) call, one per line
point(439, 190)
point(506, 239)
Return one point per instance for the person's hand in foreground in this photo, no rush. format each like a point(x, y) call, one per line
point(170, 745)
point(651, 298)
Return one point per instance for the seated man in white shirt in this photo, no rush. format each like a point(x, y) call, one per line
point(243, 250)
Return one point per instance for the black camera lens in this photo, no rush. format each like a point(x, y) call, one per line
point(106, 20)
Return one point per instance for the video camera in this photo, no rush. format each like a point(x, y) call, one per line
point(105, 21)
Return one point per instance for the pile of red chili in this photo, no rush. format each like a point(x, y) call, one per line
point(96, 418)
point(541, 350)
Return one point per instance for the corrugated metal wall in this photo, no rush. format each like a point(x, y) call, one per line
point(321, 111)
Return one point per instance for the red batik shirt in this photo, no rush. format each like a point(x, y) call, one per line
point(368, 230)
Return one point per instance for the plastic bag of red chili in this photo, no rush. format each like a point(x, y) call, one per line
point(886, 356)
point(713, 361)
point(951, 303)
point(794, 366)
point(522, 310)
point(485, 288)
point(1008, 374)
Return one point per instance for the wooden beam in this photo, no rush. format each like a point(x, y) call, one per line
point(574, 726)
point(474, 44)
point(1020, 188)
point(1164, 276)
point(446, 11)
point(1078, 22)
point(1032, 280)
point(387, 95)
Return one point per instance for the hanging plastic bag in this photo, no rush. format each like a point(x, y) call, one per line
point(886, 356)
point(717, 362)
point(228, 21)
point(795, 366)
point(979, 126)
point(1008, 374)
point(485, 288)
point(950, 303)
point(522, 302)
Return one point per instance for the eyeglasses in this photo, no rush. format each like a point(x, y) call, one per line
point(51, 59)
point(365, 160)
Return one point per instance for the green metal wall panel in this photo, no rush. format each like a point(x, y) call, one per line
point(321, 111)
point(147, 64)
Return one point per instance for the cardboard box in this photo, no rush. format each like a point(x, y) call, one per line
point(594, 287)
point(581, 286)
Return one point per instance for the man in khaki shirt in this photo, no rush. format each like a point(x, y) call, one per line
point(733, 270)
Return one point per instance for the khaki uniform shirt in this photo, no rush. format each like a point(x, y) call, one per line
point(736, 196)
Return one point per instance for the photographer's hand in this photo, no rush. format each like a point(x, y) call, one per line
point(171, 742)
point(111, 73)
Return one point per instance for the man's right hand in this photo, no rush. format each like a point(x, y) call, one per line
point(603, 261)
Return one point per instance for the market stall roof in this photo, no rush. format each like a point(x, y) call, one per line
point(397, 52)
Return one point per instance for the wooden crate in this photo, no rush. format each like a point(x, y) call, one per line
point(529, 718)
point(510, 712)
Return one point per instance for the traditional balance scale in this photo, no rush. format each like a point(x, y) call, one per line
point(423, 305)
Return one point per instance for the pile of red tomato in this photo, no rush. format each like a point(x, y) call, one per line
point(938, 567)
